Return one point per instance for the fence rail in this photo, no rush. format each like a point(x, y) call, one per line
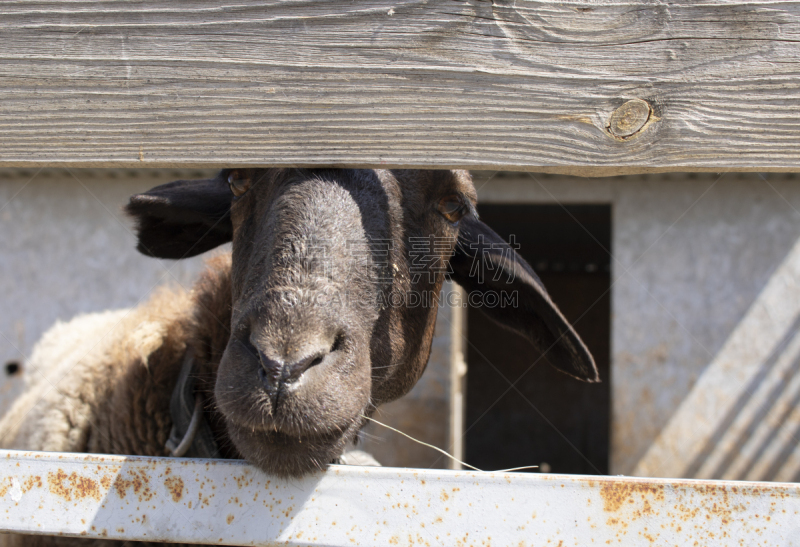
point(585, 87)
point(231, 503)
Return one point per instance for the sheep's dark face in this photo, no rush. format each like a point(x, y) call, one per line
point(321, 273)
point(334, 279)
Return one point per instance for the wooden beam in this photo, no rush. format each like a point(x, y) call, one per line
point(588, 88)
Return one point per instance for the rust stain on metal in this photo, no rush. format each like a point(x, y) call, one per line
point(204, 500)
point(139, 482)
point(175, 487)
point(4, 486)
point(31, 482)
point(615, 494)
point(229, 519)
point(243, 481)
point(73, 486)
point(683, 505)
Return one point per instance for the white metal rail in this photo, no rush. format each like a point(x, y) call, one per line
point(232, 503)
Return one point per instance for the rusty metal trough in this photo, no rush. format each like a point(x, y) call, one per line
point(232, 503)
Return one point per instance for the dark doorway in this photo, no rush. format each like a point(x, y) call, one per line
point(553, 420)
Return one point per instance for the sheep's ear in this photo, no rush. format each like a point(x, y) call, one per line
point(484, 263)
point(183, 218)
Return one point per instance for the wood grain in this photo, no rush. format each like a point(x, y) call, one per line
point(519, 85)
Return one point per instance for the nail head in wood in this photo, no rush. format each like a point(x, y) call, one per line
point(629, 119)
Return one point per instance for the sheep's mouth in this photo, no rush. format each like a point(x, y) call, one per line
point(279, 438)
point(287, 455)
point(294, 419)
point(287, 430)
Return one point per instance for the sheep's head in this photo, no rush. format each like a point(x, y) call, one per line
point(335, 280)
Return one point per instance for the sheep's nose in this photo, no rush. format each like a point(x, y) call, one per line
point(275, 374)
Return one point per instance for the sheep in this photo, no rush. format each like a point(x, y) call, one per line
point(286, 343)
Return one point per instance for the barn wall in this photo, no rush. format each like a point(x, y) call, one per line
point(67, 249)
point(691, 256)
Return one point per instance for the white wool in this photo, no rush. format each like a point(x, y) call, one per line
point(54, 411)
point(65, 344)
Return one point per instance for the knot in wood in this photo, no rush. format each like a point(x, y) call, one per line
point(629, 119)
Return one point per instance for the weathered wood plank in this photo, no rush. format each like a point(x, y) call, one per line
point(437, 83)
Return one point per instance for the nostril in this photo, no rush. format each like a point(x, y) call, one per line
point(270, 370)
point(269, 365)
point(295, 370)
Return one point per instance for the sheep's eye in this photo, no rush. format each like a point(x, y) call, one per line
point(238, 184)
point(452, 208)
